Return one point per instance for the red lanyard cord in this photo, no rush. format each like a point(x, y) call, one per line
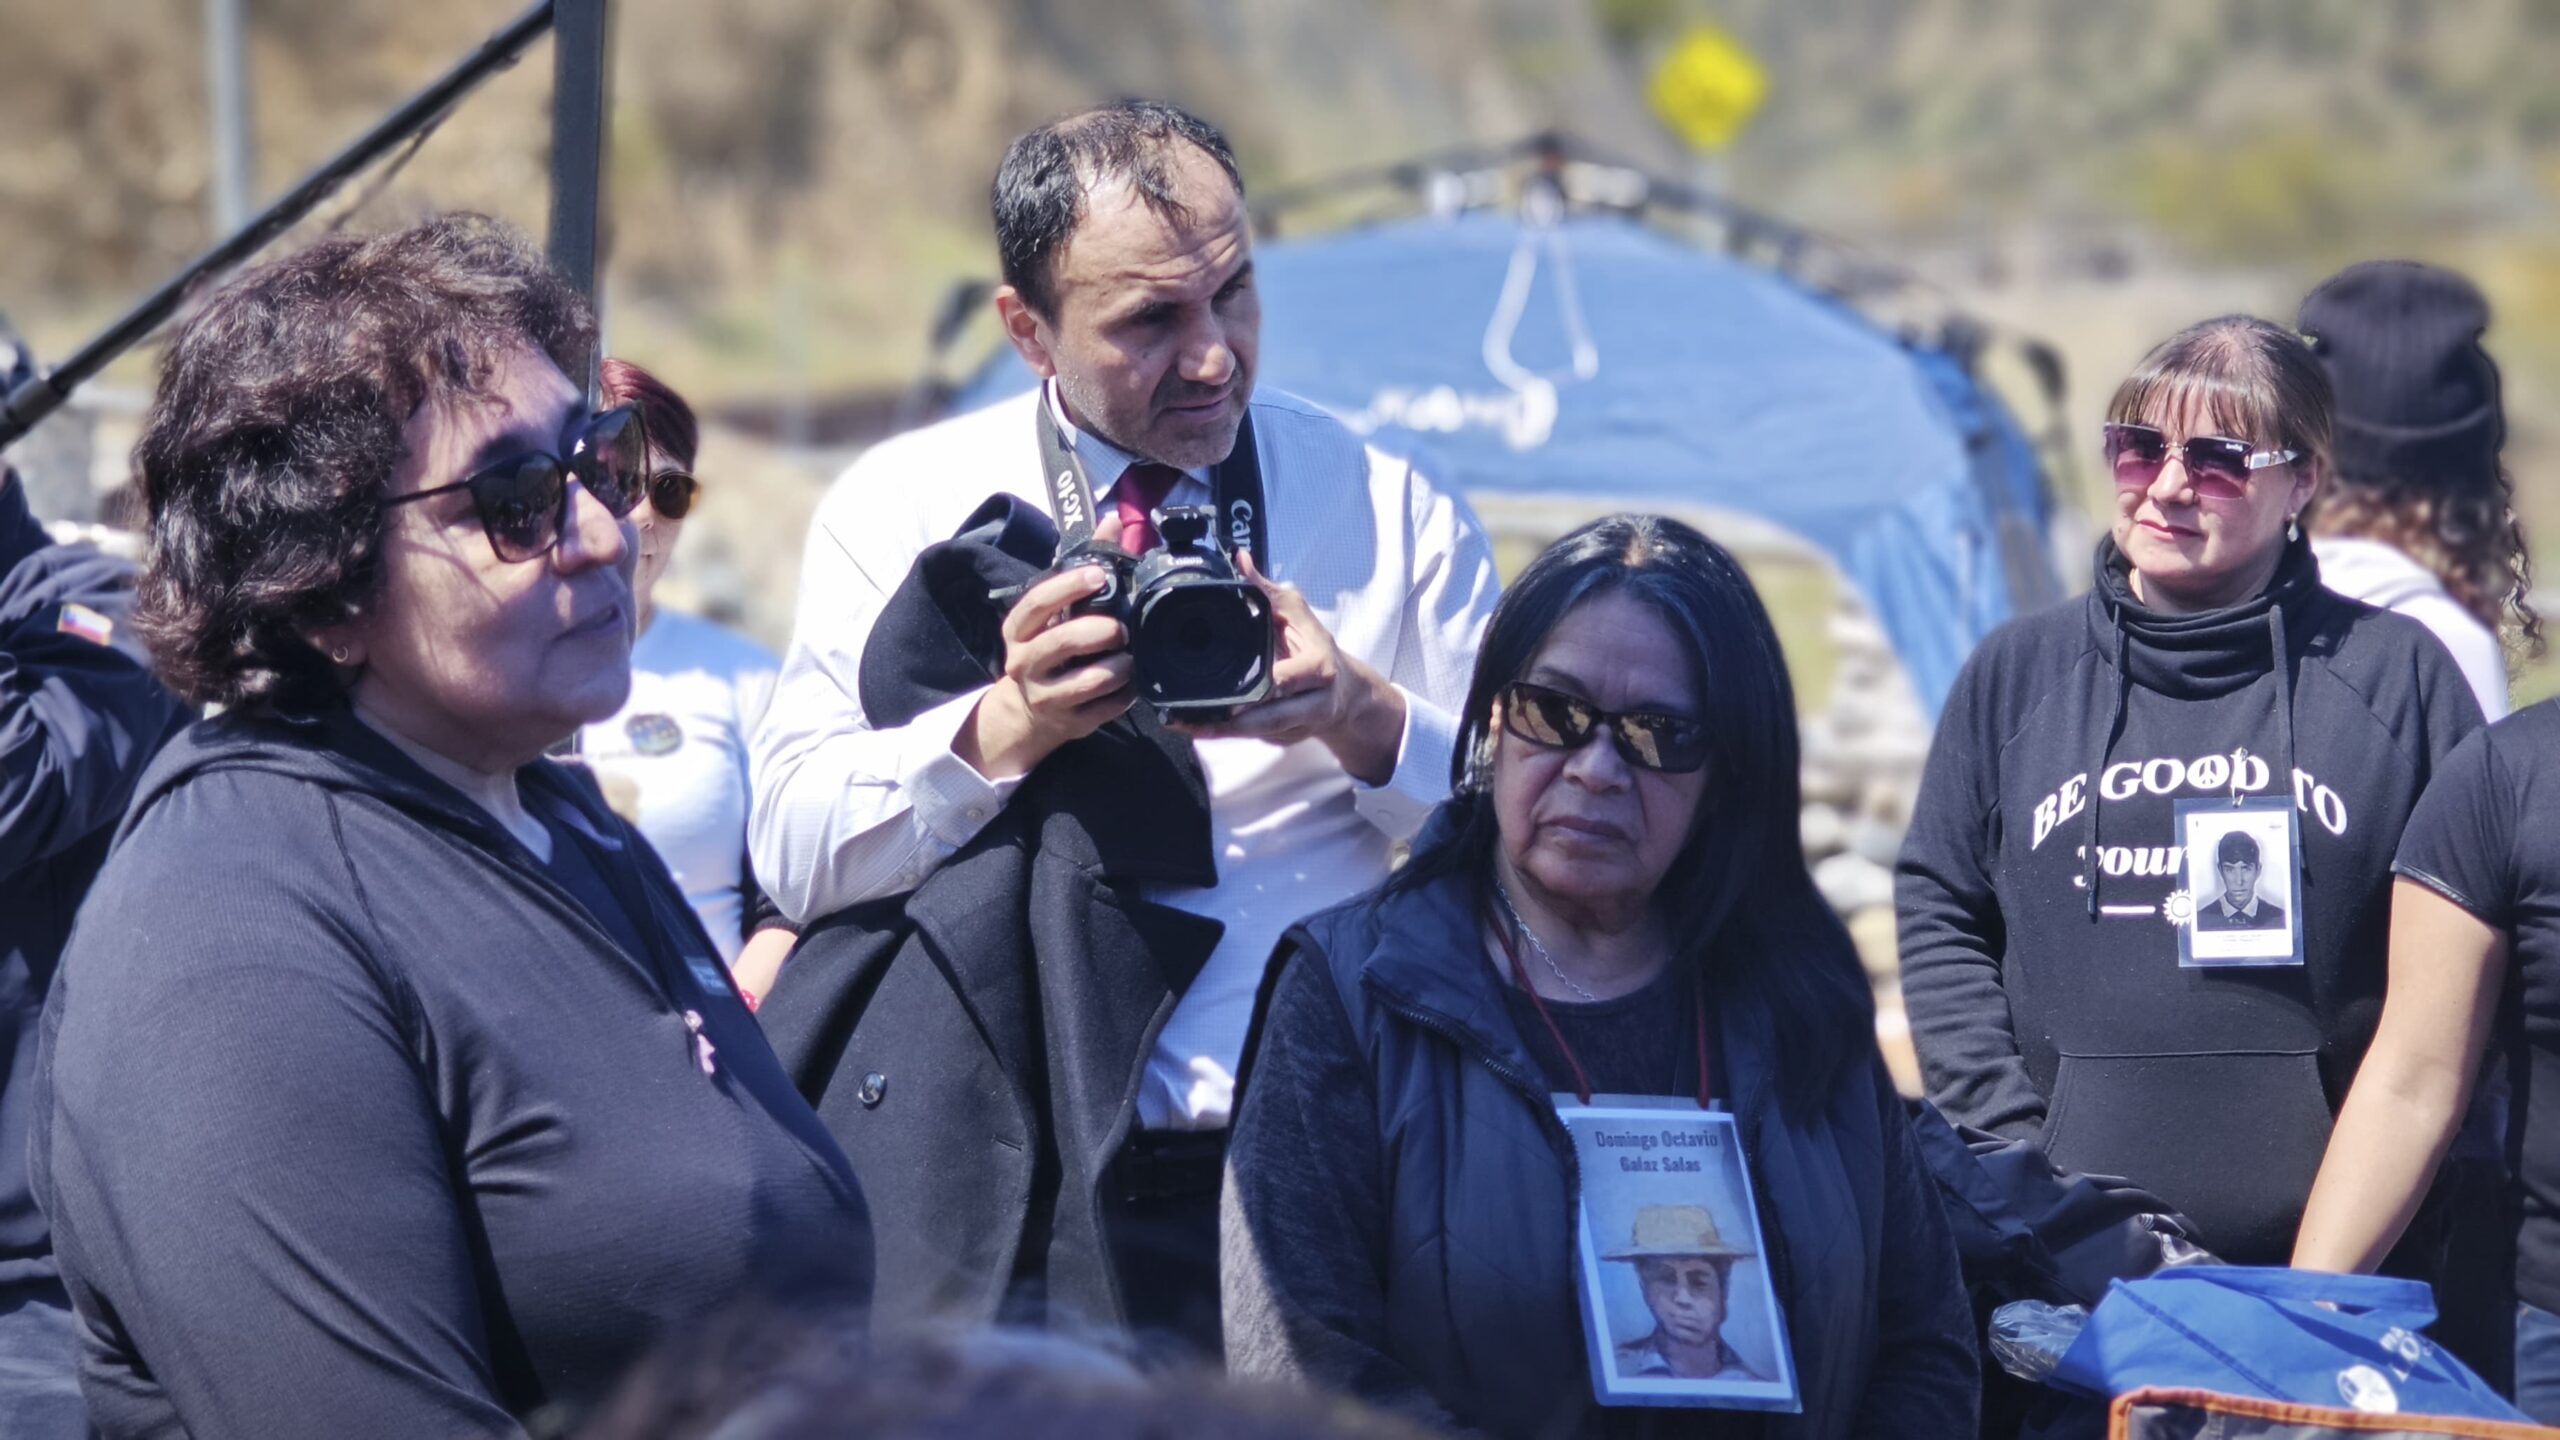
point(1581, 1077)
point(1520, 976)
point(1698, 995)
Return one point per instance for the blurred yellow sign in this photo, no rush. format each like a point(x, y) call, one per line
point(1708, 88)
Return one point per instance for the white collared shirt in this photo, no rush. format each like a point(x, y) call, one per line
point(1397, 570)
point(1104, 463)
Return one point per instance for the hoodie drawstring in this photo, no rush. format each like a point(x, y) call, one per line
point(2284, 696)
point(2090, 869)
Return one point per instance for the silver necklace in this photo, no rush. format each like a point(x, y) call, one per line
point(1539, 945)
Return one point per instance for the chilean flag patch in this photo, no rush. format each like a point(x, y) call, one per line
point(86, 623)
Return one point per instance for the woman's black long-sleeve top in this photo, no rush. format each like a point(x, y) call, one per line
point(355, 1120)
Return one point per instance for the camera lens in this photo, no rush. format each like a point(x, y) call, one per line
point(1202, 643)
point(1194, 639)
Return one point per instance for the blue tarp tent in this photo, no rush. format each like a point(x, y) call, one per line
point(1603, 360)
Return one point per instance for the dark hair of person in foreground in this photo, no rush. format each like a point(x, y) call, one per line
point(768, 1372)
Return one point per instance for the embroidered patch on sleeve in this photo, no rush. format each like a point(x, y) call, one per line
point(86, 623)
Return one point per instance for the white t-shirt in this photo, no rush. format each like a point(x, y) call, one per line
point(2381, 575)
point(674, 760)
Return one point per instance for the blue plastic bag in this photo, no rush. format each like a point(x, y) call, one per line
point(2260, 1331)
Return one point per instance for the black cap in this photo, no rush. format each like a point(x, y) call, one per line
point(2417, 396)
point(2237, 845)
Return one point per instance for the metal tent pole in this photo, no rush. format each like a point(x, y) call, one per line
point(580, 66)
point(34, 399)
point(226, 66)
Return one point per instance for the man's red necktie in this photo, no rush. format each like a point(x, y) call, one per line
point(1141, 488)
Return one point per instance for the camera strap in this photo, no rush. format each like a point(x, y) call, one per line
point(1235, 482)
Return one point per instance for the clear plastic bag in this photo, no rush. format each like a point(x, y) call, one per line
point(2177, 1252)
point(2029, 1336)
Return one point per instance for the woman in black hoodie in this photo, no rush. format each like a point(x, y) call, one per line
point(389, 1086)
point(2084, 958)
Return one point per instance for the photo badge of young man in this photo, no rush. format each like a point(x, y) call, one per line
point(1677, 1304)
point(2241, 873)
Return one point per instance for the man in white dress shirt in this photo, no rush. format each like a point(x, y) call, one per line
point(1129, 287)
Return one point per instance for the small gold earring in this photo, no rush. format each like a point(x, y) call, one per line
point(338, 654)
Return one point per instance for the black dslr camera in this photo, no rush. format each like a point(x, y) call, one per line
point(1202, 634)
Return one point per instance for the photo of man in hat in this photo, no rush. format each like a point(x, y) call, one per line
point(2240, 906)
point(1685, 1268)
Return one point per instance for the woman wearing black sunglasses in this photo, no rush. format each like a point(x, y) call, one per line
point(390, 1087)
point(2091, 760)
point(1614, 902)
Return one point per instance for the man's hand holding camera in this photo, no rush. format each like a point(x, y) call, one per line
point(1319, 691)
point(1065, 675)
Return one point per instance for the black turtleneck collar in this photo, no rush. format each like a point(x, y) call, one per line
point(2194, 657)
point(2212, 652)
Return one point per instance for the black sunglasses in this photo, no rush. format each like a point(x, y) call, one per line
point(672, 493)
point(2218, 465)
point(1567, 722)
point(524, 502)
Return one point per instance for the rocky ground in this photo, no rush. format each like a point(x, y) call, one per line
point(1862, 759)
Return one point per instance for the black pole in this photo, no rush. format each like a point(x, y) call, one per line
point(579, 51)
point(34, 399)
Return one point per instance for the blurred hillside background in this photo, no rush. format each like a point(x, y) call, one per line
point(795, 183)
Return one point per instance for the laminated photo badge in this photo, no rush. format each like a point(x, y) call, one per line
point(2243, 875)
point(1677, 1308)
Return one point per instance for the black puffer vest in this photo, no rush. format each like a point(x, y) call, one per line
point(1479, 1290)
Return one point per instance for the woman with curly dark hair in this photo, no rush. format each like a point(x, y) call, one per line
point(2419, 515)
point(390, 1087)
